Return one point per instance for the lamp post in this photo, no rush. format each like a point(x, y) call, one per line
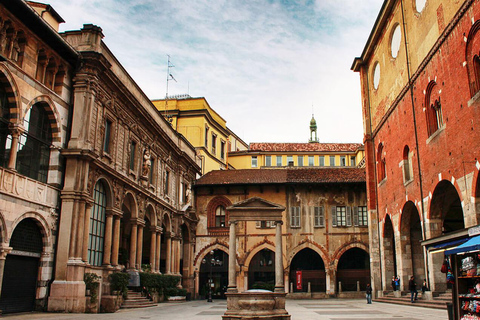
point(213, 262)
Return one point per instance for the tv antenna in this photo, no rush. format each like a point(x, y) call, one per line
point(169, 78)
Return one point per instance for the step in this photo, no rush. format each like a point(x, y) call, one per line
point(434, 304)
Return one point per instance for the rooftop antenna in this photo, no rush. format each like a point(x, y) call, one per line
point(169, 77)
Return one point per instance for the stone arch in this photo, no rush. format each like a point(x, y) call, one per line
point(151, 214)
point(313, 267)
point(130, 203)
point(108, 189)
point(260, 266)
point(53, 117)
point(389, 261)
point(315, 247)
point(412, 261)
point(41, 223)
point(340, 251)
point(352, 268)
point(13, 95)
point(205, 251)
point(167, 222)
point(251, 254)
point(445, 212)
point(212, 271)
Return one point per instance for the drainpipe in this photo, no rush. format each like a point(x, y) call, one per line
point(410, 85)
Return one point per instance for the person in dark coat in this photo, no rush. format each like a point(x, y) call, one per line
point(412, 286)
point(394, 283)
point(368, 290)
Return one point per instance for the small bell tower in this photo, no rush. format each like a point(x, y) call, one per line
point(313, 130)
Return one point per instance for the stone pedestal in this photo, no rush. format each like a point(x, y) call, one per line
point(256, 306)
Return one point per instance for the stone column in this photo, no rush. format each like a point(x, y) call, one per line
point(139, 248)
point(133, 245)
point(159, 250)
point(107, 251)
point(168, 258)
point(116, 240)
point(279, 287)
point(88, 212)
point(3, 256)
point(232, 259)
point(153, 247)
point(12, 160)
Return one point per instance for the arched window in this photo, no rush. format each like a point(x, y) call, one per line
point(407, 165)
point(433, 108)
point(5, 137)
point(220, 216)
point(34, 144)
point(472, 58)
point(381, 164)
point(97, 226)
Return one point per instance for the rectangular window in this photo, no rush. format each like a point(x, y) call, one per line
point(268, 161)
point(289, 160)
point(360, 217)
point(222, 149)
point(106, 140)
point(265, 224)
point(279, 161)
point(341, 216)
point(353, 161)
point(214, 144)
point(321, 161)
point(254, 161)
point(319, 217)
point(295, 217)
point(300, 161)
point(311, 161)
point(343, 161)
point(167, 182)
point(332, 161)
point(133, 147)
point(206, 137)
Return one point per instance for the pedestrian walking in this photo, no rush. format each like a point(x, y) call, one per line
point(412, 286)
point(368, 290)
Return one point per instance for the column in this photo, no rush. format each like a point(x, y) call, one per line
point(159, 250)
point(12, 160)
point(139, 248)
point(88, 212)
point(153, 247)
point(3, 256)
point(83, 230)
point(133, 245)
point(278, 258)
point(116, 240)
point(232, 259)
point(107, 251)
point(168, 258)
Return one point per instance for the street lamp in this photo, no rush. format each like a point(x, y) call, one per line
point(213, 262)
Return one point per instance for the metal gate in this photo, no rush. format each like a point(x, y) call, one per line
point(19, 284)
point(20, 275)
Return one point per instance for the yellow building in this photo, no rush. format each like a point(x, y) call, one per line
point(203, 127)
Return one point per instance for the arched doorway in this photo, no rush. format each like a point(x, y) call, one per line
point(312, 270)
point(164, 245)
point(412, 251)
point(353, 266)
point(214, 270)
point(147, 245)
point(261, 271)
point(20, 276)
point(389, 253)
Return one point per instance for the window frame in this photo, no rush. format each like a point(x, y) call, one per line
point(268, 161)
point(254, 162)
point(98, 219)
point(295, 217)
point(319, 217)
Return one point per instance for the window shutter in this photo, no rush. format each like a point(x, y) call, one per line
point(355, 216)
point(349, 216)
point(292, 216)
point(258, 224)
point(298, 217)
point(334, 216)
point(321, 216)
point(316, 216)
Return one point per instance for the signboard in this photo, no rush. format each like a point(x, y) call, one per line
point(298, 277)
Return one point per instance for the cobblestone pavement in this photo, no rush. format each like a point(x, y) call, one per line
point(331, 309)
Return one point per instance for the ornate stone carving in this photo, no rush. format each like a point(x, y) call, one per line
point(117, 193)
point(147, 163)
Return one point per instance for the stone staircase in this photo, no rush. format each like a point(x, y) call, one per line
point(439, 301)
point(136, 300)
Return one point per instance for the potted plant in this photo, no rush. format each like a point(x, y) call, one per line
point(119, 283)
point(92, 282)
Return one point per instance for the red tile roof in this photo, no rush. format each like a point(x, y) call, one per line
point(283, 176)
point(304, 147)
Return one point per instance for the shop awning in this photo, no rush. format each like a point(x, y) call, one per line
point(471, 244)
point(447, 245)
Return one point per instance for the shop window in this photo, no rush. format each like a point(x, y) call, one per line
point(97, 226)
point(33, 156)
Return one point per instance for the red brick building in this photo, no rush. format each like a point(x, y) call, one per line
point(420, 79)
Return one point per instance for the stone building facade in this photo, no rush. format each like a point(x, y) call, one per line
point(325, 233)
point(36, 67)
point(419, 75)
point(127, 199)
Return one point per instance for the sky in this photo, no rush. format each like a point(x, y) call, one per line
point(264, 65)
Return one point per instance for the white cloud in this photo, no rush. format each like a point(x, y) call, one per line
point(260, 64)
